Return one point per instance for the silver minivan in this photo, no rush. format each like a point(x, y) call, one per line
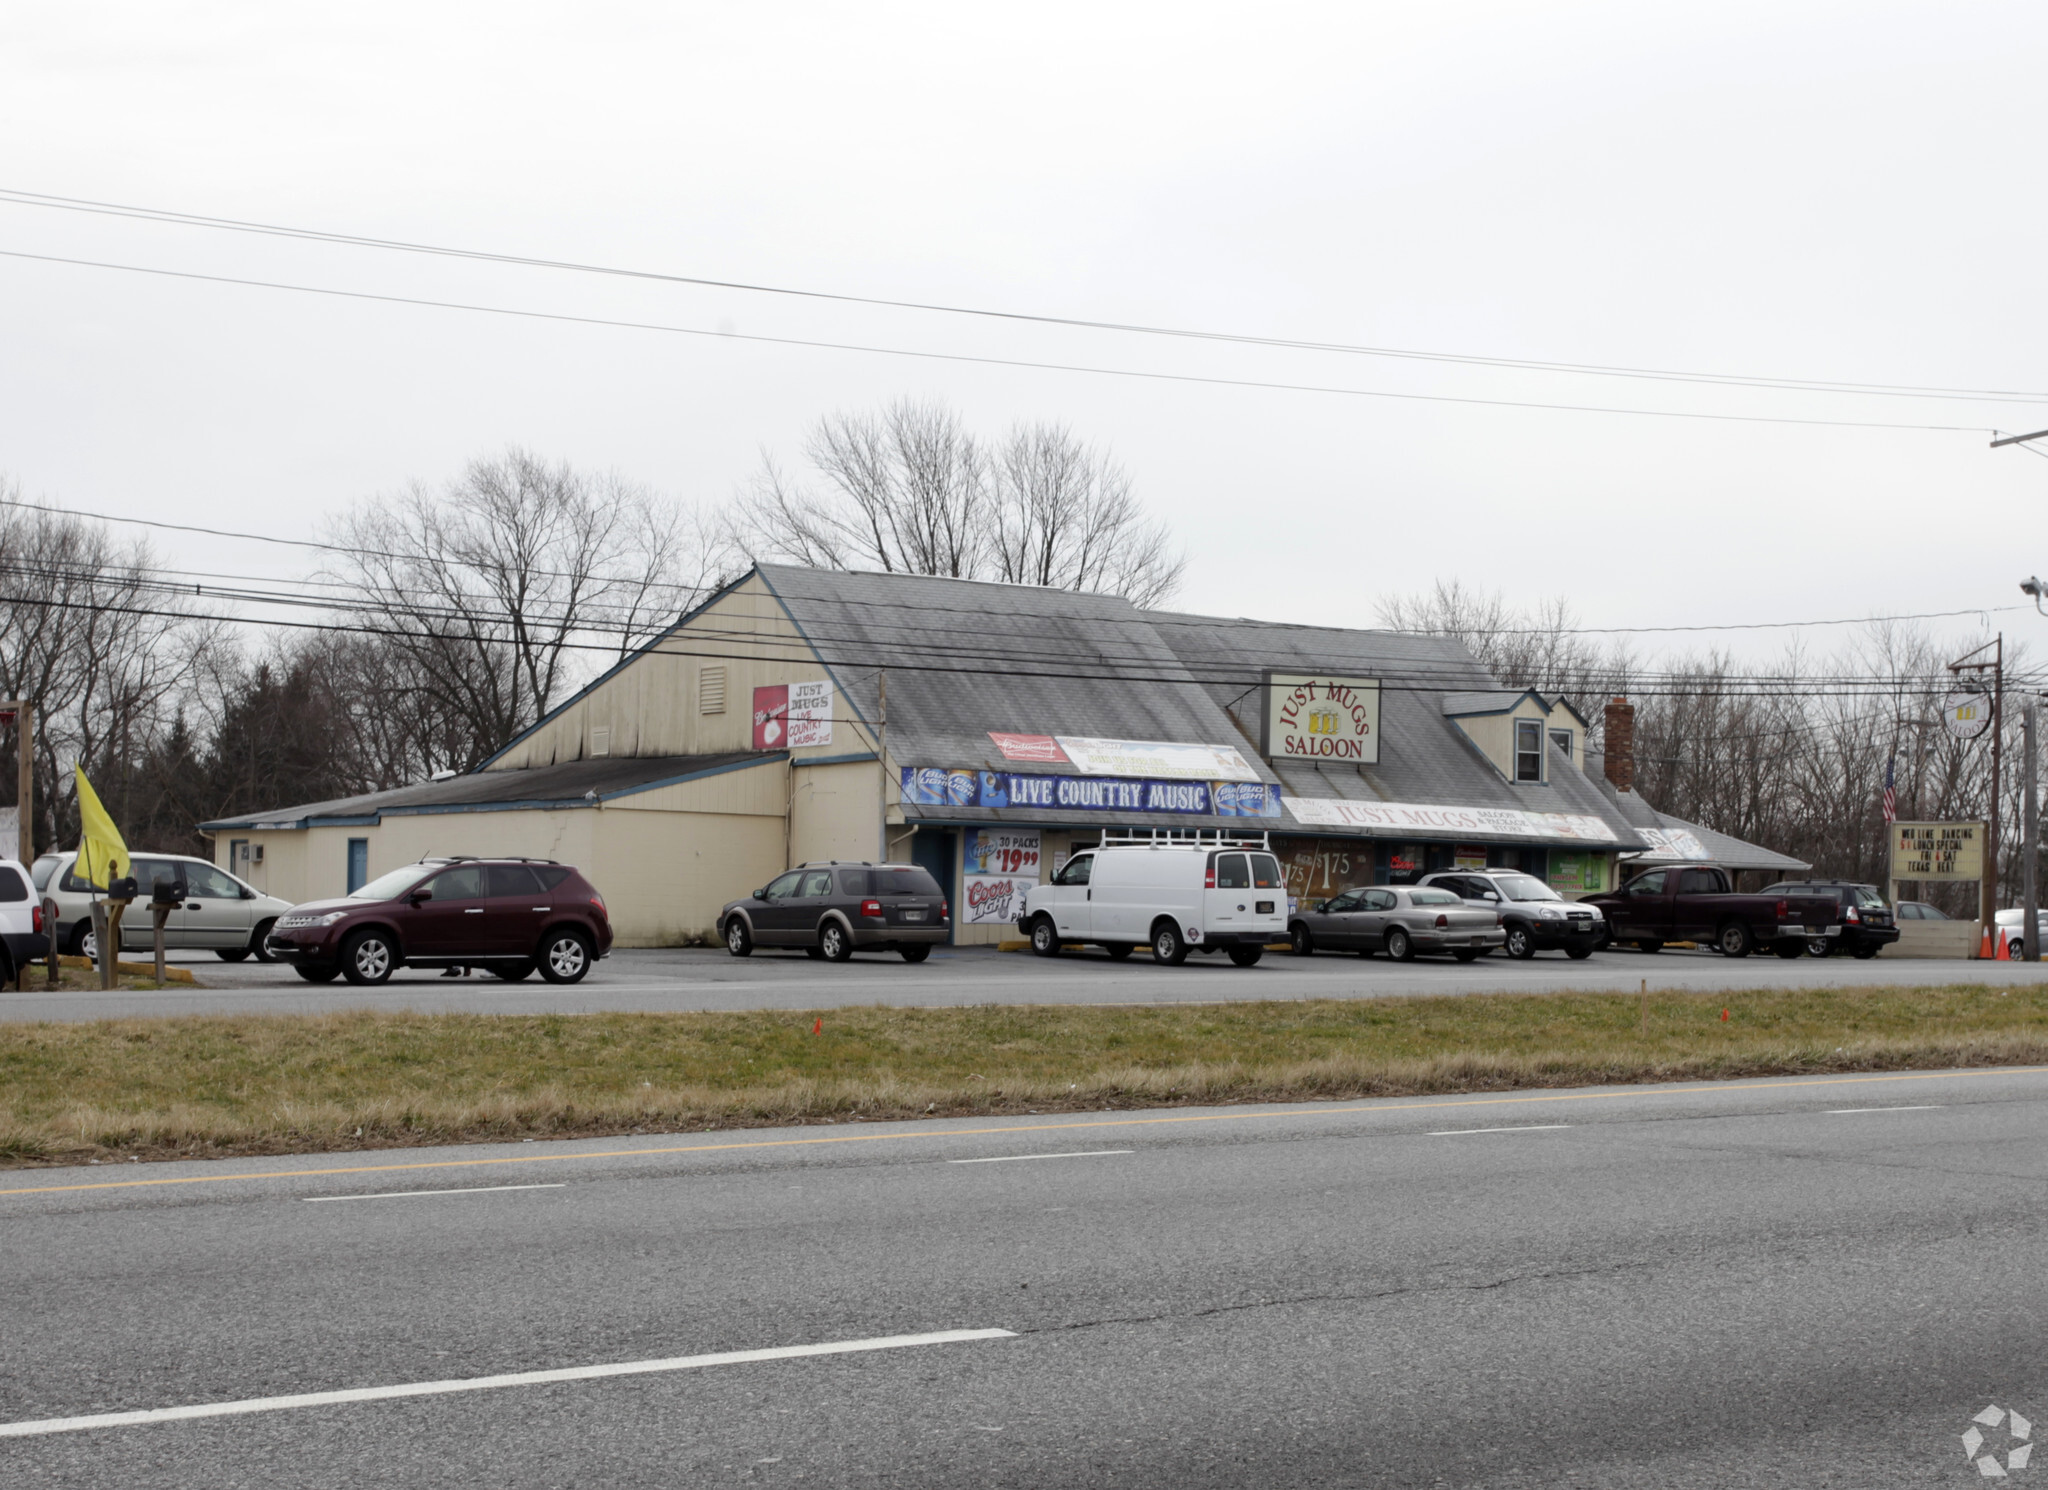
point(219, 913)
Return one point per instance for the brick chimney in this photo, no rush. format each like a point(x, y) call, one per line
point(1620, 759)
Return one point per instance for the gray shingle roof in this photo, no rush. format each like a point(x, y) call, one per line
point(1727, 851)
point(1029, 661)
point(545, 786)
point(1424, 757)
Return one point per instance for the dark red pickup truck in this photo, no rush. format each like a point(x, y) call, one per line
point(1695, 904)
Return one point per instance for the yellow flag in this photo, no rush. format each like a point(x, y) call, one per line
point(101, 853)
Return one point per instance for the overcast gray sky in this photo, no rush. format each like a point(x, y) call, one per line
point(1816, 191)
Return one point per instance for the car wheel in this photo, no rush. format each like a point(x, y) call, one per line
point(1118, 951)
point(1045, 937)
point(1399, 946)
point(83, 942)
point(316, 972)
point(564, 956)
point(1466, 954)
point(1521, 944)
point(1649, 946)
point(1169, 947)
point(834, 943)
point(917, 953)
point(368, 957)
point(258, 942)
point(1578, 952)
point(1247, 956)
point(231, 954)
point(1734, 940)
point(1818, 946)
point(738, 939)
point(1300, 940)
point(1788, 949)
point(512, 972)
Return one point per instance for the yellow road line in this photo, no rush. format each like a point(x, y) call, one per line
point(1392, 1105)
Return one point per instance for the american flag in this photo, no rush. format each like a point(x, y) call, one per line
point(1891, 790)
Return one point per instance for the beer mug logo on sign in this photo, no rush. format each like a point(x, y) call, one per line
point(1322, 720)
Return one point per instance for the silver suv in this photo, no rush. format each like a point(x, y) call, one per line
point(219, 913)
point(1534, 916)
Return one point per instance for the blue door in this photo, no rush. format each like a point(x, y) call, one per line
point(931, 849)
point(358, 864)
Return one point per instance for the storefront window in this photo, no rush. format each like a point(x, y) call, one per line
point(1406, 863)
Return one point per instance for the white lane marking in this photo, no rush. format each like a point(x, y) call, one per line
point(1014, 1158)
point(409, 1194)
point(486, 1383)
point(1923, 1107)
point(1519, 1128)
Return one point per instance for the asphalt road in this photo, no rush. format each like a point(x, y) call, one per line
point(1785, 1283)
point(679, 979)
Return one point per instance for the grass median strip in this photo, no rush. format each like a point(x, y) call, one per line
point(274, 1084)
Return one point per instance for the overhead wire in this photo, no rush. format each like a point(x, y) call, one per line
point(1153, 619)
point(21, 198)
point(1197, 379)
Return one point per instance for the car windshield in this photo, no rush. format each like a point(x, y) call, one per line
point(388, 886)
point(1524, 887)
point(1425, 896)
point(42, 869)
point(1867, 895)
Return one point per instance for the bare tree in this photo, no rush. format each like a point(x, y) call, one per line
point(94, 635)
point(910, 491)
point(493, 589)
point(1066, 518)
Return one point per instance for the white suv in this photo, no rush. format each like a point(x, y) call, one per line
point(219, 913)
point(21, 922)
point(1536, 917)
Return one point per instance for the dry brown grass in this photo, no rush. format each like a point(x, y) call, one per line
point(161, 1088)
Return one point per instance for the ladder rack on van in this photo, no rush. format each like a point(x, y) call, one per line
point(1186, 837)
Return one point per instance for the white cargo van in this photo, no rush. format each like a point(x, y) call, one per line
point(1174, 894)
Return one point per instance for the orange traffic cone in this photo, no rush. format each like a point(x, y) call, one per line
point(2004, 946)
point(1984, 950)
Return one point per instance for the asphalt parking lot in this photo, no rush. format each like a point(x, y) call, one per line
point(659, 980)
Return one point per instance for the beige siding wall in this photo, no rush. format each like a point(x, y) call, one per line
point(836, 812)
point(653, 706)
point(665, 860)
point(1494, 734)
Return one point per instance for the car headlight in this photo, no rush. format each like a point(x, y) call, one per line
point(1550, 912)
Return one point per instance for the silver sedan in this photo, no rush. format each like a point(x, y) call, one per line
point(1400, 920)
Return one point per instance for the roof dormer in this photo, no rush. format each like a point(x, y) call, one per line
point(1515, 729)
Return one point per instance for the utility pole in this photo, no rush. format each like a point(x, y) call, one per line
point(2030, 831)
point(1987, 903)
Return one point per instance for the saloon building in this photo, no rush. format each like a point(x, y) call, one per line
point(985, 731)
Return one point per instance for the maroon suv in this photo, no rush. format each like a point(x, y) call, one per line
point(508, 915)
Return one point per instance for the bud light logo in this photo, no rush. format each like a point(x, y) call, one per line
point(931, 786)
point(1225, 794)
point(960, 788)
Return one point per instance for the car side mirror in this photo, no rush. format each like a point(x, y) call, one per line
point(1320, 905)
point(762, 893)
point(419, 897)
point(1493, 895)
point(247, 893)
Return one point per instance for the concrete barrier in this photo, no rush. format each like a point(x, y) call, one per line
point(1954, 939)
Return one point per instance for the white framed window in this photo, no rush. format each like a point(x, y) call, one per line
point(1562, 739)
point(1528, 750)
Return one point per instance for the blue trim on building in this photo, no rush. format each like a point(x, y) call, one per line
point(837, 760)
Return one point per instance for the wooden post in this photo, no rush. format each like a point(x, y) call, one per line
point(50, 925)
point(99, 934)
point(158, 914)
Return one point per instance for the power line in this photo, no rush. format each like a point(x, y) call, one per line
point(1149, 618)
point(15, 197)
point(981, 361)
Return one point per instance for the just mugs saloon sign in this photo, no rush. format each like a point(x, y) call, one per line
point(1321, 718)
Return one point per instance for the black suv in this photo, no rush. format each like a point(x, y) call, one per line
point(830, 909)
point(1865, 924)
